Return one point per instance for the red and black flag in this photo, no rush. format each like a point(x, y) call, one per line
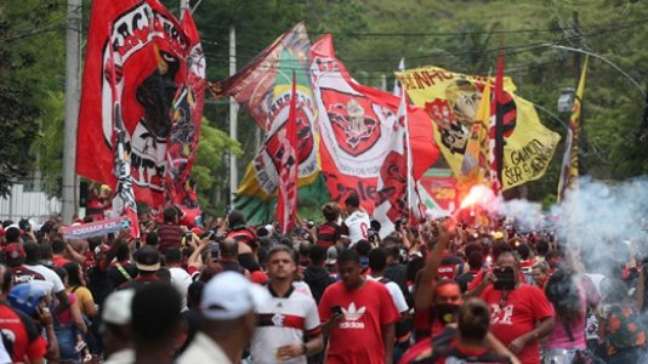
point(289, 174)
point(502, 122)
point(152, 49)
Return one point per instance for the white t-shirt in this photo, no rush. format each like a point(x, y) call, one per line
point(49, 275)
point(301, 286)
point(283, 321)
point(181, 280)
point(4, 355)
point(395, 293)
point(358, 224)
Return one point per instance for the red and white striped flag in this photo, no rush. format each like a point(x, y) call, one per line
point(288, 175)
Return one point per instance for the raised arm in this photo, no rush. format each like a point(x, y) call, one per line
point(424, 293)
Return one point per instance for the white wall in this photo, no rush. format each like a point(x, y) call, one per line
point(32, 205)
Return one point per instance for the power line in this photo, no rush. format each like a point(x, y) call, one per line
point(509, 50)
point(53, 25)
point(458, 34)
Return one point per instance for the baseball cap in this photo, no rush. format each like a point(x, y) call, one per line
point(229, 295)
point(117, 308)
point(331, 256)
point(14, 251)
point(147, 259)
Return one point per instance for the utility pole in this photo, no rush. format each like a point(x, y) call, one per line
point(233, 115)
point(383, 82)
point(183, 5)
point(72, 66)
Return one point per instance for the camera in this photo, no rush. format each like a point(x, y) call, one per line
point(505, 279)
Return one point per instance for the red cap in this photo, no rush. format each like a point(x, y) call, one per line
point(14, 251)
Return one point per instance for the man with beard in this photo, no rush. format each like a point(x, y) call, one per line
point(288, 324)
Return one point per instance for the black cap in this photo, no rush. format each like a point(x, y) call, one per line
point(147, 259)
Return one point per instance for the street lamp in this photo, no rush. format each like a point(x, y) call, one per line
point(595, 55)
point(566, 100)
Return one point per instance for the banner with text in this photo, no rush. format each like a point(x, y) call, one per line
point(452, 99)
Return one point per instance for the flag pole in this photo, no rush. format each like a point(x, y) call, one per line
point(233, 116)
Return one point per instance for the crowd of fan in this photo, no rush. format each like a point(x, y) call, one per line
point(440, 291)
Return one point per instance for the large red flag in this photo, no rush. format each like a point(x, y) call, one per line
point(288, 175)
point(153, 50)
point(359, 142)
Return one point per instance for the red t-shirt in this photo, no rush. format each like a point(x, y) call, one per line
point(59, 261)
point(525, 306)
point(20, 330)
point(357, 336)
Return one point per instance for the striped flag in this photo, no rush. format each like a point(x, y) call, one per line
point(288, 175)
point(496, 129)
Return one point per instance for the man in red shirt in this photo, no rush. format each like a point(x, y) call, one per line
point(20, 335)
point(359, 315)
point(520, 313)
point(58, 253)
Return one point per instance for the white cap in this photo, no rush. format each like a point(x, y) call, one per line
point(229, 295)
point(117, 308)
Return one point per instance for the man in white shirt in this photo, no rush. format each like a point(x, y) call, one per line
point(23, 261)
point(227, 318)
point(357, 222)
point(288, 324)
point(180, 278)
point(377, 265)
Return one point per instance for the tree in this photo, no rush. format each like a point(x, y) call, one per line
point(29, 60)
point(212, 151)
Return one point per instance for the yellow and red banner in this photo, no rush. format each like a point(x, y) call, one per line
point(452, 100)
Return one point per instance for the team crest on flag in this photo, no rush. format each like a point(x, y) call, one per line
point(364, 143)
point(357, 128)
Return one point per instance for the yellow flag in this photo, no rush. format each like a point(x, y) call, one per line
point(569, 170)
point(475, 160)
point(452, 101)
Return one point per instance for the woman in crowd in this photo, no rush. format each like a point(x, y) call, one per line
point(567, 341)
point(69, 326)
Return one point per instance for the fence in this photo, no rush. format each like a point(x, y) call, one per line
point(26, 201)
